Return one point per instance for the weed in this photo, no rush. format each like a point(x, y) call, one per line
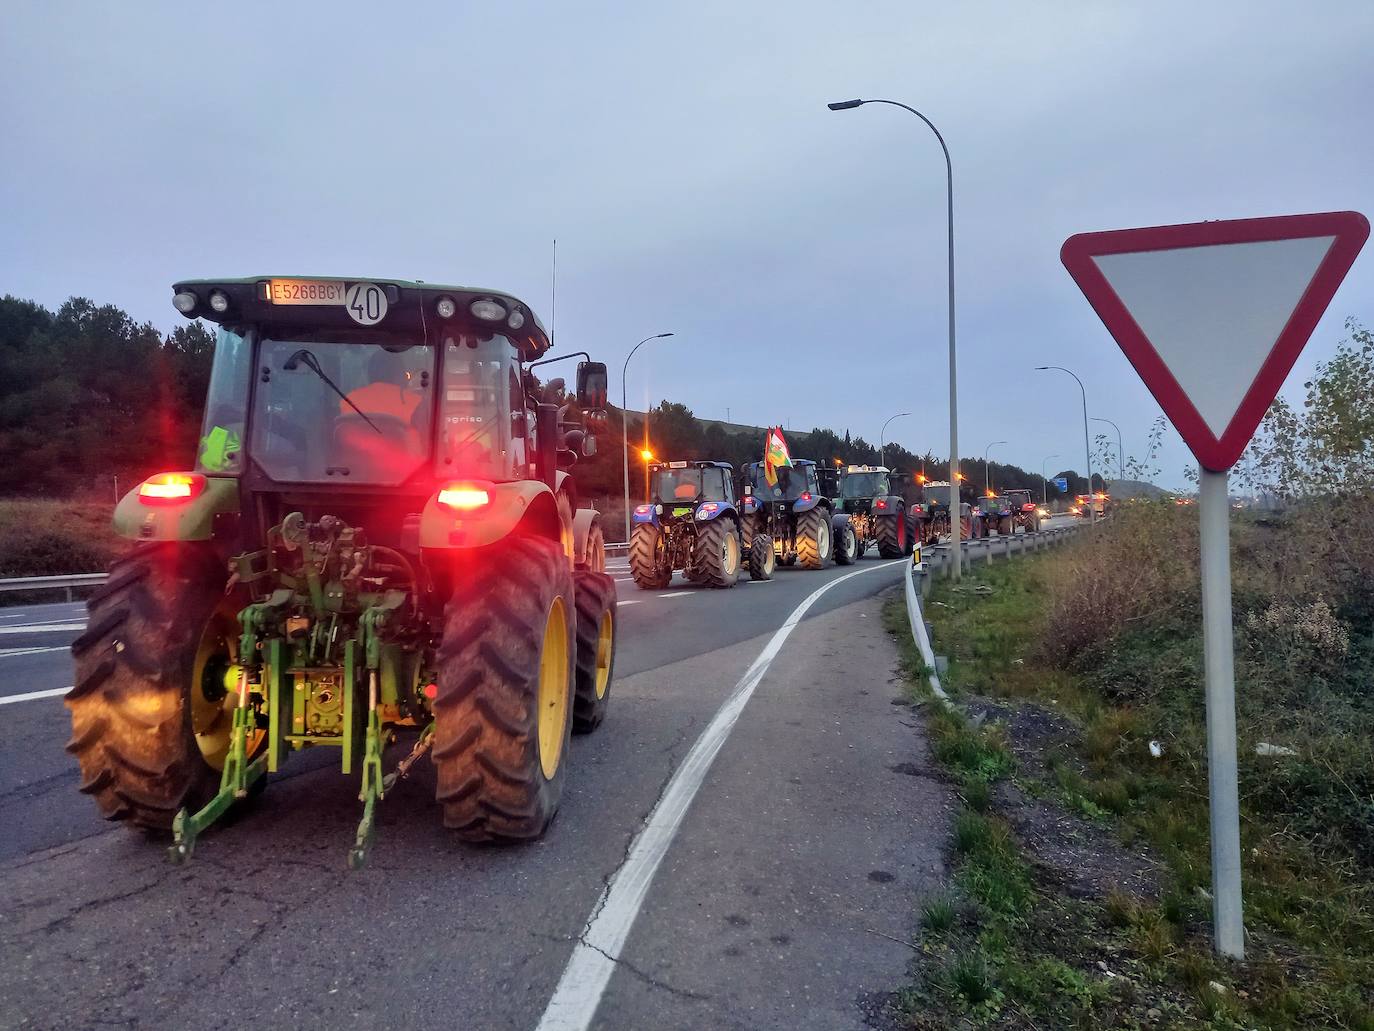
point(970, 977)
point(938, 913)
point(977, 794)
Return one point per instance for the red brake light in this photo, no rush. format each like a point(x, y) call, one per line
point(171, 488)
point(806, 495)
point(881, 503)
point(643, 509)
point(466, 497)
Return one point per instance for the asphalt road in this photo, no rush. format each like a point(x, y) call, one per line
point(800, 847)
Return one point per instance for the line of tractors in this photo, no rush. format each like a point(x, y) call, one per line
point(703, 520)
point(381, 545)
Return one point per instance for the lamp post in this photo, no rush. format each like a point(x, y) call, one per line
point(987, 479)
point(1087, 451)
point(882, 435)
point(957, 568)
point(1120, 449)
point(625, 423)
point(1045, 483)
point(648, 457)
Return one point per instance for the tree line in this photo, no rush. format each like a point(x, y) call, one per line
point(92, 401)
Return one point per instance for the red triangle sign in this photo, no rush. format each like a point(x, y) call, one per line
point(1214, 314)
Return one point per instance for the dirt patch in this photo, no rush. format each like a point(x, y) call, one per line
point(1081, 858)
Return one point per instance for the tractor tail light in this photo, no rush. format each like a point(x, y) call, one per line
point(643, 509)
point(466, 497)
point(171, 488)
point(805, 495)
point(880, 504)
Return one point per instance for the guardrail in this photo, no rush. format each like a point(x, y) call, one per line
point(47, 583)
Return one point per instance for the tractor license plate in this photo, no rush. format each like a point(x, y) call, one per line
point(305, 291)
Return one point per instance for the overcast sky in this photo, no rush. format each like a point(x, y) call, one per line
point(694, 179)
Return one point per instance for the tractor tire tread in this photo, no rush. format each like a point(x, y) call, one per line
point(595, 596)
point(131, 724)
point(491, 785)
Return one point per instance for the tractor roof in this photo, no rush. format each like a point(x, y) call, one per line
point(692, 465)
point(411, 306)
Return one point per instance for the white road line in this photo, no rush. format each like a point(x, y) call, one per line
point(748, 582)
point(14, 653)
point(10, 699)
point(584, 979)
point(676, 594)
point(632, 601)
point(41, 628)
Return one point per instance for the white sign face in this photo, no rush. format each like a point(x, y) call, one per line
point(1215, 313)
point(365, 303)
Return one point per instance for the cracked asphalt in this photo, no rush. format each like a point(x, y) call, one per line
point(806, 846)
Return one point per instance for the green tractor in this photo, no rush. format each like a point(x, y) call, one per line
point(380, 543)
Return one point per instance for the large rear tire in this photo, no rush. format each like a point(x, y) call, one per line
point(813, 538)
point(891, 535)
point(761, 557)
point(648, 558)
point(149, 706)
point(597, 628)
point(503, 712)
point(716, 553)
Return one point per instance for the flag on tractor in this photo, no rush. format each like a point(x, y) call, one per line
point(774, 455)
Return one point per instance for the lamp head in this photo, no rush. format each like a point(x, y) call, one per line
point(844, 105)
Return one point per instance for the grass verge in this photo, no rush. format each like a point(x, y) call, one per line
point(1024, 941)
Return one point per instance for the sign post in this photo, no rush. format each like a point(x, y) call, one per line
point(1213, 315)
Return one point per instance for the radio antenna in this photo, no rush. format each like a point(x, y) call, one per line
point(553, 301)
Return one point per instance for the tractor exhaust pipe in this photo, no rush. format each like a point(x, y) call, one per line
point(547, 435)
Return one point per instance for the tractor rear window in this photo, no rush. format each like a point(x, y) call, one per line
point(865, 485)
point(333, 412)
point(685, 485)
point(792, 481)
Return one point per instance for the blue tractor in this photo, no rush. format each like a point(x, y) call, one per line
point(795, 516)
point(691, 522)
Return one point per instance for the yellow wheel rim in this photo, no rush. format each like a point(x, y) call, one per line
point(605, 638)
point(553, 689)
point(214, 687)
point(730, 560)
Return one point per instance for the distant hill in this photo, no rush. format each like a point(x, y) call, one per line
point(1123, 489)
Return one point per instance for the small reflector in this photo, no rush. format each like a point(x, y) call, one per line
point(170, 488)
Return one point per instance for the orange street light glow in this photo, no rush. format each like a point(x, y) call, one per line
point(647, 455)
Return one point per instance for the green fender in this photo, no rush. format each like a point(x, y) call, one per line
point(191, 520)
point(527, 502)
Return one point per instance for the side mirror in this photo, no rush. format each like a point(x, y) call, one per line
point(591, 385)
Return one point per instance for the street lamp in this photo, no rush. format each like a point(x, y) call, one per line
point(1087, 451)
point(1120, 449)
point(882, 434)
point(957, 568)
point(1045, 483)
point(987, 480)
point(625, 424)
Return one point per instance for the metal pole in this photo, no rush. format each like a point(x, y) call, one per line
point(987, 480)
point(625, 423)
point(954, 528)
point(1087, 448)
point(1120, 448)
point(882, 436)
point(1214, 511)
point(1044, 483)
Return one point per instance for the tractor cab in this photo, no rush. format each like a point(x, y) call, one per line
point(865, 481)
point(797, 482)
point(685, 483)
point(355, 396)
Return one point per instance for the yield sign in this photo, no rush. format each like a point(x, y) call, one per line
point(1214, 314)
